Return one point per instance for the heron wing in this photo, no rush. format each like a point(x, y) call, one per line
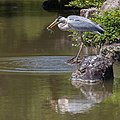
point(81, 23)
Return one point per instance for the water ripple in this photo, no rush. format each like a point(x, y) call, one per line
point(35, 64)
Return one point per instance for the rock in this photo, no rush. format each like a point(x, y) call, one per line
point(94, 69)
point(110, 4)
point(50, 5)
point(111, 52)
point(107, 5)
point(88, 12)
point(56, 5)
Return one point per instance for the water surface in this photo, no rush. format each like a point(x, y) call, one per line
point(52, 96)
point(35, 78)
point(36, 64)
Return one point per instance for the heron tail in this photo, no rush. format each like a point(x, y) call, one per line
point(100, 30)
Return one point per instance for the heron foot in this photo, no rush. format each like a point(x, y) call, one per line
point(74, 60)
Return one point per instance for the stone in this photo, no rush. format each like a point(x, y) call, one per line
point(110, 4)
point(97, 68)
point(93, 69)
point(88, 12)
point(111, 52)
point(107, 6)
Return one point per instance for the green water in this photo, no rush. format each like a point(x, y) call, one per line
point(53, 97)
point(35, 81)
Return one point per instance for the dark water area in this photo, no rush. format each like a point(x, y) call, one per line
point(34, 76)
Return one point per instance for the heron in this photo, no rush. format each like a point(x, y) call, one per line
point(77, 23)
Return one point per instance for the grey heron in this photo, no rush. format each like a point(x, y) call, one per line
point(77, 23)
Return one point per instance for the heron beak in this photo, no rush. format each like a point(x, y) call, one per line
point(52, 24)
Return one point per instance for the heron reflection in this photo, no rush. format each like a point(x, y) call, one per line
point(89, 96)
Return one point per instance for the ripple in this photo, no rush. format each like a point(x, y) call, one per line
point(49, 64)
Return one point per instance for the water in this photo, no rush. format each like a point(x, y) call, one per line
point(36, 64)
point(52, 96)
point(35, 78)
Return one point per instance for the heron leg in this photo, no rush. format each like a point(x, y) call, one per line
point(76, 59)
point(80, 48)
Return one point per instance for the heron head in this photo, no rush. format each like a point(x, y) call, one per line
point(60, 19)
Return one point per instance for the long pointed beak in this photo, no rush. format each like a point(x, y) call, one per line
point(52, 24)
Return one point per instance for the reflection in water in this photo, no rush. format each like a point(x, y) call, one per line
point(29, 31)
point(95, 92)
point(74, 105)
point(91, 94)
point(23, 96)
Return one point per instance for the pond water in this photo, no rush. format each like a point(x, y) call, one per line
point(35, 78)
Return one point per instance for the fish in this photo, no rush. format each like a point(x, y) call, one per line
point(50, 30)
